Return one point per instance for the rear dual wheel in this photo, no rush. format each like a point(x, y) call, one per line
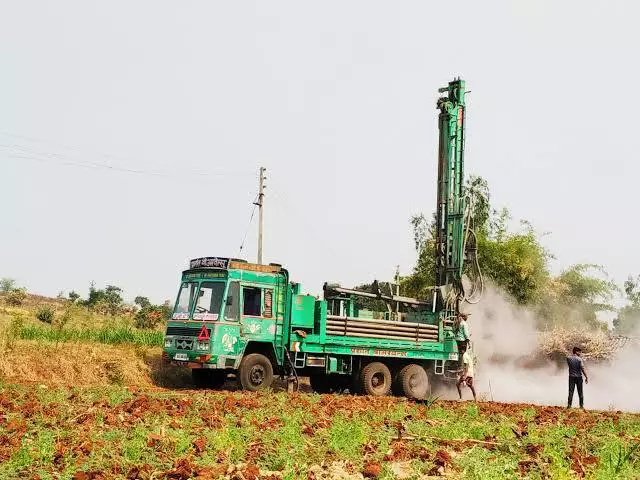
point(375, 379)
point(413, 382)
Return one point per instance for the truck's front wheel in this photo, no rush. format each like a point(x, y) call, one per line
point(256, 372)
point(375, 379)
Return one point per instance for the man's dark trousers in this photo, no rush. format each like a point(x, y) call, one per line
point(575, 382)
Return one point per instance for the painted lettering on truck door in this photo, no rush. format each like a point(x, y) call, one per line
point(228, 332)
point(258, 322)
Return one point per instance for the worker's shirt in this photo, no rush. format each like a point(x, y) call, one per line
point(467, 359)
point(575, 366)
point(463, 331)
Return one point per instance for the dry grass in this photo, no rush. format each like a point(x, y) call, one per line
point(87, 364)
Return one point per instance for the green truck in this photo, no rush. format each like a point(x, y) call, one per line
point(253, 321)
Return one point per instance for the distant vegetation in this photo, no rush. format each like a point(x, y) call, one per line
point(518, 263)
point(102, 317)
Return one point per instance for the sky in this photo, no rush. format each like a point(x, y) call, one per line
point(131, 133)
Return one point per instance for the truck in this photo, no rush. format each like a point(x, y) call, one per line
point(253, 321)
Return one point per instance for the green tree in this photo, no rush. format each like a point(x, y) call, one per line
point(628, 318)
point(478, 198)
point(7, 284)
point(142, 301)
point(576, 296)
point(424, 272)
point(73, 296)
point(517, 262)
point(108, 300)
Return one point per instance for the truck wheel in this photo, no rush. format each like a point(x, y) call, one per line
point(414, 382)
point(256, 372)
point(375, 379)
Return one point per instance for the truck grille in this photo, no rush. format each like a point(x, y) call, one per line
point(184, 344)
point(186, 331)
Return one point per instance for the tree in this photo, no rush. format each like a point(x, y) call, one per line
point(142, 302)
point(424, 272)
point(108, 300)
point(7, 284)
point(73, 296)
point(478, 198)
point(576, 296)
point(517, 262)
point(628, 318)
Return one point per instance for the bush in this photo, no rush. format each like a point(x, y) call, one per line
point(148, 317)
point(45, 314)
point(16, 296)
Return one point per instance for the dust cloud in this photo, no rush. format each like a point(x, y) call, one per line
point(504, 340)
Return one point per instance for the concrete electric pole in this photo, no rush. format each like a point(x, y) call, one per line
point(260, 204)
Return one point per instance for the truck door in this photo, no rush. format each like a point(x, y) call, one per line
point(258, 321)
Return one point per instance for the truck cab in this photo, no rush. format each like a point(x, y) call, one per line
point(227, 312)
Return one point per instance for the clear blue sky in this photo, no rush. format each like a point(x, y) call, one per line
point(336, 99)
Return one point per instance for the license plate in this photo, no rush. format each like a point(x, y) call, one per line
point(453, 356)
point(181, 357)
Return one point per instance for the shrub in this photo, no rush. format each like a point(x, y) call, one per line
point(16, 296)
point(45, 314)
point(148, 317)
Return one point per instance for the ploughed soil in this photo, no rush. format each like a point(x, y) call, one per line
point(86, 411)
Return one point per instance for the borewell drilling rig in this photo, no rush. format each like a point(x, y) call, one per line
point(251, 320)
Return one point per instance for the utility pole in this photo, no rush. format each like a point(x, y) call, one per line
point(260, 204)
point(397, 280)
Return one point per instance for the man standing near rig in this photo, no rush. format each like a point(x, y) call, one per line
point(461, 330)
point(576, 371)
point(467, 374)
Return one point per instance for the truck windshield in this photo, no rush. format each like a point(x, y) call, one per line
point(209, 301)
point(185, 299)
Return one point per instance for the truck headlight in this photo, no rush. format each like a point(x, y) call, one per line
point(167, 343)
point(203, 346)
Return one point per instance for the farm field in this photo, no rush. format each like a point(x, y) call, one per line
point(148, 432)
point(94, 401)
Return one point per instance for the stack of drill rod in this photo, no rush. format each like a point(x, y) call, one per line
point(369, 328)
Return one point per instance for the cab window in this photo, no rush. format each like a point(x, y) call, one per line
point(210, 297)
point(233, 302)
point(185, 297)
point(251, 301)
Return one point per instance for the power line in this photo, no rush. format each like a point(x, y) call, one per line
point(57, 159)
point(253, 211)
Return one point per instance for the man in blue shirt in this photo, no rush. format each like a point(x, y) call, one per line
point(576, 371)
